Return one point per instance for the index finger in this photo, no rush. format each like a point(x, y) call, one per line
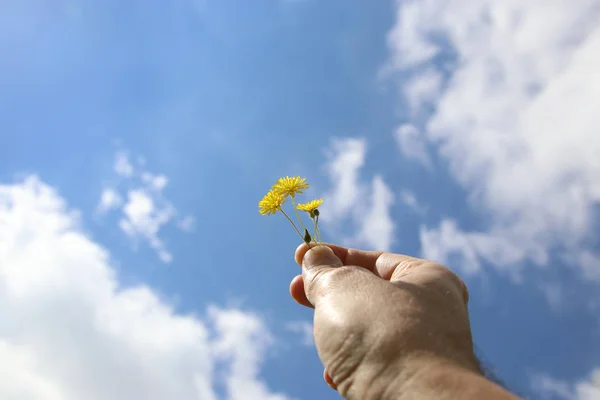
point(385, 265)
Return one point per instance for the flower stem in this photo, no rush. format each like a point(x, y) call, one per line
point(315, 237)
point(317, 230)
point(292, 222)
point(297, 214)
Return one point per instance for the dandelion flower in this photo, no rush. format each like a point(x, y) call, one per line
point(311, 206)
point(271, 202)
point(290, 186)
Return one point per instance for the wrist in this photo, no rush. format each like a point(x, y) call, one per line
point(401, 363)
point(420, 373)
point(407, 376)
point(438, 378)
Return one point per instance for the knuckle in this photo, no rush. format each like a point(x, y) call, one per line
point(459, 284)
point(443, 275)
point(465, 290)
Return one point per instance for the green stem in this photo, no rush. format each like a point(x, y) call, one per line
point(317, 229)
point(297, 214)
point(292, 222)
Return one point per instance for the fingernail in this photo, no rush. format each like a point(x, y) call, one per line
point(321, 255)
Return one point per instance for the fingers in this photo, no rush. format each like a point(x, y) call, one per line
point(329, 380)
point(382, 264)
point(388, 266)
point(297, 291)
point(361, 258)
point(317, 264)
point(319, 256)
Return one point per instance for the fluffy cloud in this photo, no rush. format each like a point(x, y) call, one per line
point(366, 206)
point(423, 89)
point(412, 144)
point(499, 246)
point(71, 331)
point(187, 223)
point(515, 120)
point(155, 182)
point(241, 342)
point(408, 199)
point(146, 210)
point(109, 199)
point(376, 227)
point(550, 388)
point(141, 218)
point(345, 159)
point(122, 165)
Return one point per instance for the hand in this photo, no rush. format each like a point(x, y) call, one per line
point(388, 325)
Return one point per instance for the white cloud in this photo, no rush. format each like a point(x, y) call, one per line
point(503, 248)
point(122, 165)
point(71, 331)
point(376, 225)
point(590, 264)
point(109, 199)
point(554, 294)
point(304, 329)
point(366, 206)
point(155, 182)
point(412, 144)
point(550, 388)
point(146, 210)
point(187, 223)
point(408, 38)
point(516, 119)
point(423, 88)
point(408, 199)
point(345, 160)
point(142, 218)
point(242, 341)
point(438, 244)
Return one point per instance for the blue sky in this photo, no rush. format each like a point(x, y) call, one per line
point(139, 136)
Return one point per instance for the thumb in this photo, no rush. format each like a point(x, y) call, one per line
point(317, 263)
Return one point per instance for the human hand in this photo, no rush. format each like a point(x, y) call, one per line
point(388, 325)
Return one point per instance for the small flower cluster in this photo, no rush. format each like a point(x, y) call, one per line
point(289, 187)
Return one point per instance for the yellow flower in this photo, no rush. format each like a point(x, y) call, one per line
point(311, 206)
point(271, 202)
point(290, 186)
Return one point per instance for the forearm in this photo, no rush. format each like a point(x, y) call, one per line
point(442, 379)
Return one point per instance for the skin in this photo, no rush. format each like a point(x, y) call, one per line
point(390, 326)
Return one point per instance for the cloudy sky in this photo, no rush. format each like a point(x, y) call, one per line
point(138, 136)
